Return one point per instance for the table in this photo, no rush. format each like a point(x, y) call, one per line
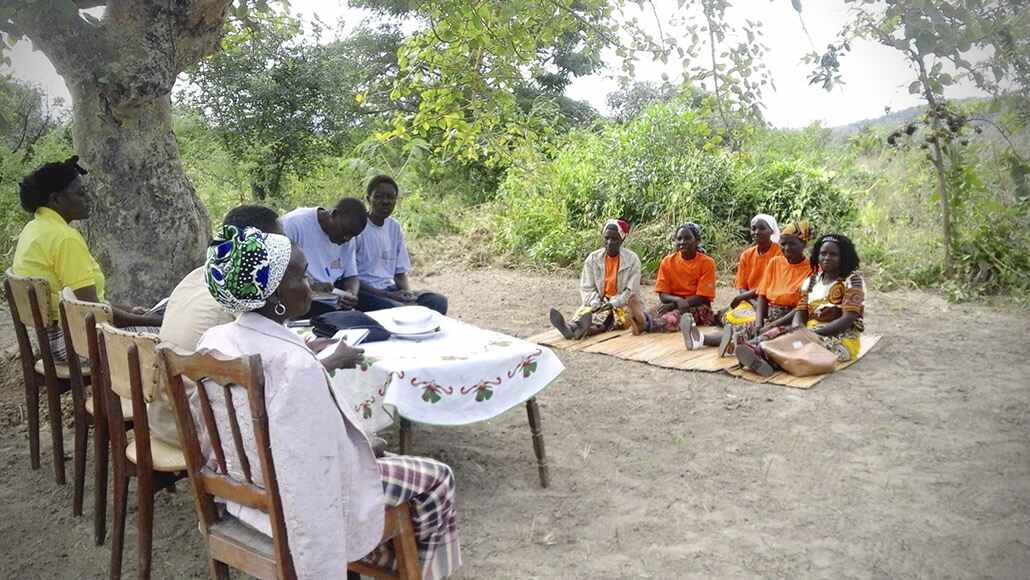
point(464, 374)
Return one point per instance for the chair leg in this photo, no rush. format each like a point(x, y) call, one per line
point(121, 492)
point(145, 521)
point(79, 461)
point(218, 570)
point(102, 449)
point(406, 550)
point(32, 408)
point(53, 398)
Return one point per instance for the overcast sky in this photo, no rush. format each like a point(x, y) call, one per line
point(876, 76)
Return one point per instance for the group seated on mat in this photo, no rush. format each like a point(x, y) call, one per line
point(780, 292)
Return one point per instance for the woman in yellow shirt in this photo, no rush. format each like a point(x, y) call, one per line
point(49, 248)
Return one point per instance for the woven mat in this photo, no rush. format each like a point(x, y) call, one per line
point(661, 350)
point(786, 380)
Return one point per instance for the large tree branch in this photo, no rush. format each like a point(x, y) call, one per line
point(63, 36)
point(199, 25)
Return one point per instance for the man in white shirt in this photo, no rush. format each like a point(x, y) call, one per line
point(191, 311)
point(326, 237)
point(382, 256)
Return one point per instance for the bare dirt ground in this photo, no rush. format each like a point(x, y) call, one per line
point(915, 463)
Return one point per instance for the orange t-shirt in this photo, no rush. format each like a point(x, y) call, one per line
point(684, 278)
point(781, 284)
point(752, 266)
point(611, 275)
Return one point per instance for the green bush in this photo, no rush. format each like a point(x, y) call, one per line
point(666, 167)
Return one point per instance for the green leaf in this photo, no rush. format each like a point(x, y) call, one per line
point(915, 88)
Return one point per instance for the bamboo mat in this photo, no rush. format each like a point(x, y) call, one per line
point(664, 350)
point(786, 380)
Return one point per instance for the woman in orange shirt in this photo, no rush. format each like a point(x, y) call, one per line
point(778, 292)
point(753, 264)
point(685, 287)
point(780, 289)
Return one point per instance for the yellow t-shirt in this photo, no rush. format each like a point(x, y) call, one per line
point(51, 249)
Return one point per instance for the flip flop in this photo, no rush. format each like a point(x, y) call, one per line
point(692, 337)
point(558, 321)
point(751, 360)
point(725, 344)
point(581, 326)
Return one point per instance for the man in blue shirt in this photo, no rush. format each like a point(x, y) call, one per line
point(382, 256)
point(326, 237)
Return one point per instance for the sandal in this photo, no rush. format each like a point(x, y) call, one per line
point(727, 342)
point(749, 358)
point(582, 326)
point(692, 336)
point(558, 321)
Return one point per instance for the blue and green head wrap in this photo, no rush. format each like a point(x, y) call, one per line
point(245, 266)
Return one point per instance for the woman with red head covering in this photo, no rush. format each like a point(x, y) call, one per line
point(610, 275)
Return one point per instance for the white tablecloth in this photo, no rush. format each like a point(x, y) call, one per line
point(462, 375)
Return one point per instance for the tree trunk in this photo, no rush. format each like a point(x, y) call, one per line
point(148, 228)
point(938, 160)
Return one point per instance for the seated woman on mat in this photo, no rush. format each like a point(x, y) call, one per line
point(751, 268)
point(832, 304)
point(334, 485)
point(49, 248)
point(779, 290)
point(610, 275)
point(685, 287)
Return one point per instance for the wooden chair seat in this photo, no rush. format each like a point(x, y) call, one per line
point(125, 403)
point(242, 547)
point(166, 457)
point(63, 371)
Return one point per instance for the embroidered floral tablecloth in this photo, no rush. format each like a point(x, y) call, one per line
point(462, 375)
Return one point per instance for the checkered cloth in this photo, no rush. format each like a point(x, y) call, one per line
point(429, 486)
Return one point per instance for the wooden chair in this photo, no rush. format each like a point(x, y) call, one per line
point(29, 299)
point(232, 544)
point(78, 320)
point(129, 366)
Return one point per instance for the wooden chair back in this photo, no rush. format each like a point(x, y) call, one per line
point(29, 299)
point(80, 320)
point(232, 379)
point(118, 343)
point(129, 368)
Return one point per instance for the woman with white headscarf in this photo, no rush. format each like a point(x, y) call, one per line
point(751, 268)
point(334, 486)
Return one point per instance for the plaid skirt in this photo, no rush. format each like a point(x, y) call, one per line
point(429, 486)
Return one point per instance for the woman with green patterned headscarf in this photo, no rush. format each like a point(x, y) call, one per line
point(323, 460)
point(245, 266)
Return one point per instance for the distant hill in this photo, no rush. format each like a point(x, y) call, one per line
point(892, 119)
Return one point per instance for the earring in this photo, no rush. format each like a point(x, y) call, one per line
point(279, 309)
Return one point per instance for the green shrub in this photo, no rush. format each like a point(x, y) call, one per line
point(664, 168)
